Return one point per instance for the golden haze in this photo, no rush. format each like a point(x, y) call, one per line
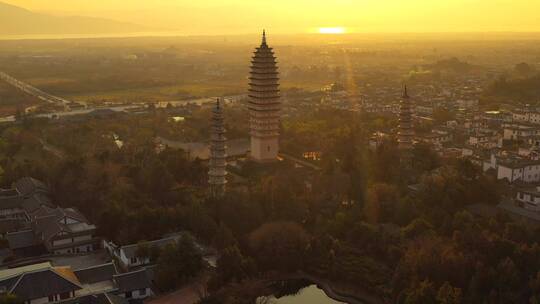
point(299, 16)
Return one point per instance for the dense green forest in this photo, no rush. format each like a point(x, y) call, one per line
point(354, 222)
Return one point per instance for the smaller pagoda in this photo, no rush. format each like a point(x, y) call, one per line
point(217, 173)
point(405, 132)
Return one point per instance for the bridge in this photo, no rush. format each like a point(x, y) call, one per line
point(31, 90)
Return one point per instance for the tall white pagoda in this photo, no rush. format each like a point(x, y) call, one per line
point(406, 132)
point(264, 104)
point(217, 173)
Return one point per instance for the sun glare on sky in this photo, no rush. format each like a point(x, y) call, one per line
point(332, 30)
point(317, 16)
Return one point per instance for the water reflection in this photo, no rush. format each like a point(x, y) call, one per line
point(296, 292)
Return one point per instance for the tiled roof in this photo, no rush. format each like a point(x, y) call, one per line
point(29, 185)
point(48, 222)
point(132, 281)
point(11, 202)
point(10, 225)
point(96, 274)
point(47, 227)
point(38, 281)
point(102, 298)
point(41, 284)
point(20, 239)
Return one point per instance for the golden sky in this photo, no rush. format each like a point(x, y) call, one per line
point(300, 16)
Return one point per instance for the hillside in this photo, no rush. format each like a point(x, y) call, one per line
point(19, 21)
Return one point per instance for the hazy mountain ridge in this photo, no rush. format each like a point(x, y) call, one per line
point(19, 21)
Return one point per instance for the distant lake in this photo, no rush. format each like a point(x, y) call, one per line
point(85, 36)
point(310, 294)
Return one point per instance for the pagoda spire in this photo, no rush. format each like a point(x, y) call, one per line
point(264, 104)
point(405, 94)
point(217, 171)
point(264, 38)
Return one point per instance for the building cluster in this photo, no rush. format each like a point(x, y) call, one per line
point(99, 284)
point(460, 95)
point(504, 144)
point(32, 224)
point(51, 254)
point(35, 232)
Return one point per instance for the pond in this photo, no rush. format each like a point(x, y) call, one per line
point(297, 292)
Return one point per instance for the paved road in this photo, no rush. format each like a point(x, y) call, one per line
point(186, 295)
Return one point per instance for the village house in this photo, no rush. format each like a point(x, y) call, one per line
point(486, 140)
point(526, 116)
point(134, 285)
point(128, 255)
point(64, 230)
point(514, 169)
point(99, 284)
point(436, 138)
point(529, 198)
point(40, 283)
point(519, 131)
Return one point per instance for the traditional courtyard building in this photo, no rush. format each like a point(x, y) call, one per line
point(217, 174)
point(264, 104)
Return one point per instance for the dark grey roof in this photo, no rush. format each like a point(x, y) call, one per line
point(132, 281)
point(7, 284)
point(74, 214)
point(96, 274)
point(25, 197)
point(34, 201)
point(46, 226)
point(41, 284)
point(102, 298)
point(10, 225)
point(29, 185)
point(11, 202)
point(48, 222)
point(20, 239)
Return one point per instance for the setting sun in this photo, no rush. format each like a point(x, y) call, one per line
point(332, 30)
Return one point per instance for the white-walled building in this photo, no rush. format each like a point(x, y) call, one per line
point(514, 169)
point(526, 116)
point(529, 198)
point(128, 255)
point(519, 131)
